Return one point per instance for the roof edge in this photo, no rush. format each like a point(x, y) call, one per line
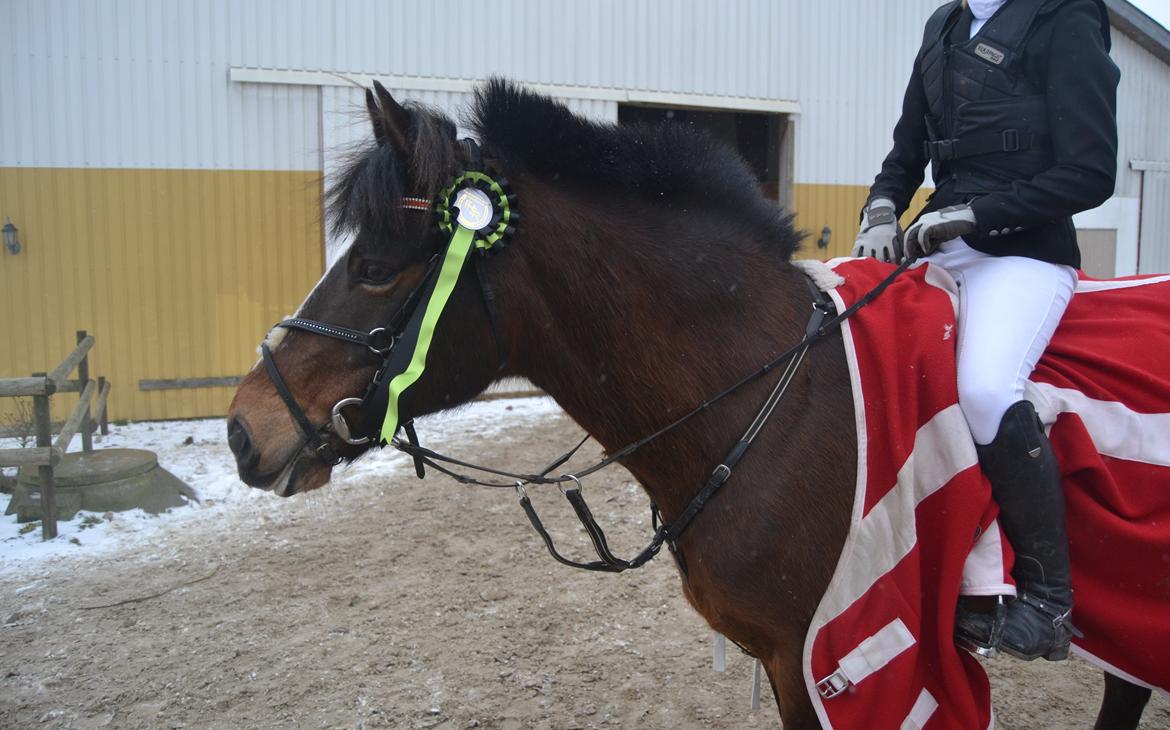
point(1144, 30)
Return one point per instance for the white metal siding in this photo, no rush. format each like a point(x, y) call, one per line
point(1155, 251)
point(1143, 112)
point(144, 83)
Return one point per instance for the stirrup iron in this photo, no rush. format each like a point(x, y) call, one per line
point(987, 647)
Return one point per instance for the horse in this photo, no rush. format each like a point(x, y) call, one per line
point(647, 268)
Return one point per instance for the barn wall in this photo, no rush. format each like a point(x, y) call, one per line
point(171, 213)
point(1142, 112)
point(838, 207)
point(152, 75)
point(177, 273)
point(1144, 136)
point(144, 84)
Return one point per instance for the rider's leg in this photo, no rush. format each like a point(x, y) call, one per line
point(1009, 308)
point(1025, 480)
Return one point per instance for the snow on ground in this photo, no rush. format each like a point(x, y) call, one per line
point(197, 453)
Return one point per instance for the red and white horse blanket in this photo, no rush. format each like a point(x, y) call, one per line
point(880, 651)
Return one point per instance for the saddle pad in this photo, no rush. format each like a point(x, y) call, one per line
point(879, 652)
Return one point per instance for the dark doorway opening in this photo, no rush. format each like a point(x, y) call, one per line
point(763, 140)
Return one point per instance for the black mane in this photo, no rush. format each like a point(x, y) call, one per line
point(676, 164)
point(670, 164)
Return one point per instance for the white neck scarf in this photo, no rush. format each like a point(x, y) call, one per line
point(982, 10)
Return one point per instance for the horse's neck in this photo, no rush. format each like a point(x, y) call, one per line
point(632, 325)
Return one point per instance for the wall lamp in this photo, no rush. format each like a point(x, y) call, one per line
point(11, 242)
point(826, 234)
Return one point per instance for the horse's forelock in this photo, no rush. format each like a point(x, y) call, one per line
point(373, 178)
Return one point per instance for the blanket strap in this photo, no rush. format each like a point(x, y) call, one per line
point(921, 712)
point(871, 655)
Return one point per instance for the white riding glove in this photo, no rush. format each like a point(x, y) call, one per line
point(934, 229)
point(880, 236)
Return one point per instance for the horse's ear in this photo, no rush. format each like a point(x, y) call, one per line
point(375, 118)
point(389, 118)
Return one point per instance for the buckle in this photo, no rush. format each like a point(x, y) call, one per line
point(940, 150)
point(1011, 140)
point(832, 685)
point(722, 473)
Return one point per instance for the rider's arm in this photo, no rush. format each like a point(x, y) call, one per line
point(903, 169)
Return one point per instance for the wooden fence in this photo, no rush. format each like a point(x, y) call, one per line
point(84, 419)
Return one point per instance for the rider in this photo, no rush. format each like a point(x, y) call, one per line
point(1014, 104)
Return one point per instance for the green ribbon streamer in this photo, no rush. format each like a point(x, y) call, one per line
point(456, 256)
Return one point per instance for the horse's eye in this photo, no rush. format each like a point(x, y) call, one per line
point(375, 272)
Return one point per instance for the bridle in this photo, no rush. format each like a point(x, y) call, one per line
point(379, 341)
point(385, 341)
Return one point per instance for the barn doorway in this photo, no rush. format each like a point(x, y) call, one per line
point(763, 139)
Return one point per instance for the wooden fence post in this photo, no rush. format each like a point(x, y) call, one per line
point(105, 417)
point(83, 378)
point(45, 473)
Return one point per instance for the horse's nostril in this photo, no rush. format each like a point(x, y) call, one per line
point(241, 445)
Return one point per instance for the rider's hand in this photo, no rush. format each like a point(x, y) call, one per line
point(880, 235)
point(933, 229)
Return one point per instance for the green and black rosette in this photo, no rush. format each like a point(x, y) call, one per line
point(481, 204)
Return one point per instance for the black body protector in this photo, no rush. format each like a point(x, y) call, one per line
point(987, 120)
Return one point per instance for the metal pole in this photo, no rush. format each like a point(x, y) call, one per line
point(105, 419)
point(83, 376)
point(45, 472)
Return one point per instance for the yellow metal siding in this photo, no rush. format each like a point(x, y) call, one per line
point(178, 273)
point(838, 207)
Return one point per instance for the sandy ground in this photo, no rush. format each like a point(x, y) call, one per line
point(382, 601)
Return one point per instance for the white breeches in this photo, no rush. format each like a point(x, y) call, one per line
point(1009, 306)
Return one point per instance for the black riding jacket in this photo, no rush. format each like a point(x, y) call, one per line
point(1020, 122)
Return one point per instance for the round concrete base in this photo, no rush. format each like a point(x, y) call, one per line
point(108, 480)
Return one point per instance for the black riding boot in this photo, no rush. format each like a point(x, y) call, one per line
point(1025, 481)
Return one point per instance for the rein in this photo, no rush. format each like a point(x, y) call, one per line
point(486, 219)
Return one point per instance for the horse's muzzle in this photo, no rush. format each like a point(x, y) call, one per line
point(247, 458)
point(302, 471)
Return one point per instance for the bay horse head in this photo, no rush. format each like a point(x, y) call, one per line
point(296, 414)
